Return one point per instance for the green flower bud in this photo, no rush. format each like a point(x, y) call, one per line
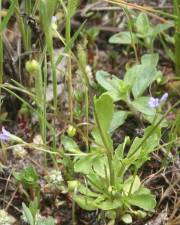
point(32, 66)
point(71, 131)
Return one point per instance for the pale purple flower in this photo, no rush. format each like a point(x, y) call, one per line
point(164, 97)
point(156, 102)
point(53, 19)
point(153, 102)
point(5, 135)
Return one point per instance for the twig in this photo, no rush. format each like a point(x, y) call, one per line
point(13, 196)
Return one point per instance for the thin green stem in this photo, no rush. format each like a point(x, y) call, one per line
point(130, 25)
point(177, 36)
point(21, 26)
point(87, 115)
point(1, 54)
point(26, 26)
point(69, 72)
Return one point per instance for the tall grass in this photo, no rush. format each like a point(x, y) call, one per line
point(23, 26)
point(176, 4)
point(70, 11)
point(1, 50)
point(47, 9)
point(3, 25)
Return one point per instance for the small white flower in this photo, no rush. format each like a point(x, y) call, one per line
point(38, 140)
point(55, 177)
point(53, 19)
point(5, 218)
point(19, 152)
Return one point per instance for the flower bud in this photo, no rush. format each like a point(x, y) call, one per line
point(71, 131)
point(32, 66)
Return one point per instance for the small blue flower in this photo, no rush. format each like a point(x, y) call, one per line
point(5, 135)
point(156, 102)
point(164, 97)
point(153, 102)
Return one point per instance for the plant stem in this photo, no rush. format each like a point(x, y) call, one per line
point(21, 26)
point(177, 37)
point(1, 56)
point(87, 116)
point(26, 26)
point(69, 72)
point(130, 26)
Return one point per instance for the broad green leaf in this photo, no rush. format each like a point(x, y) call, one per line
point(143, 191)
point(118, 119)
point(109, 83)
point(119, 152)
point(104, 79)
point(82, 189)
point(139, 77)
point(85, 202)
point(146, 202)
point(131, 74)
point(86, 191)
point(72, 185)
point(46, 221)
point(33, 206)
point(135, 183)
point(147, 146)
point(97, 137)
point(141, 104)
point(142, 24)
point(140, 213)
point(104, 111)
point(98, 183)
point(69, 144)
point(153, 140)
point(155, 118)
point(150, 59)
point(123, 38)
point(28, 214)
point(127, 218)
point(99, 165)
point(110, 205)
point(86, 163)
point(145, 76)
point(133, 149)
point(159, 28)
